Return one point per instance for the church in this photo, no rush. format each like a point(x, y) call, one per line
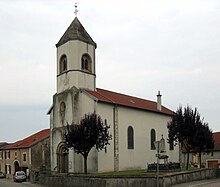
point(135, 123)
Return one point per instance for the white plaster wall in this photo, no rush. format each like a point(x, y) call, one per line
point(57, 123)
point(76, 78)
point(71, 161)
point(69, 109)
point(106, 158)
point(142, 123)
point(74, 50)
point(210, 156)
point(55, 140)
point(88, 105)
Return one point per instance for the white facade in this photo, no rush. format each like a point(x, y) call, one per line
point(72, 102)
point(74, 50)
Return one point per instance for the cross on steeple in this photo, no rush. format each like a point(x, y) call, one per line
point(76, 10)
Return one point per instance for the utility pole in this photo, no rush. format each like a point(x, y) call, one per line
point(160, 147)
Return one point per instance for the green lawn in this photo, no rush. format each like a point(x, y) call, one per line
point(135, 173)
point(127, 173)
point(141, 173)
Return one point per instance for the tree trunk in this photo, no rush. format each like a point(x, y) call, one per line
point(200, 160)
point(187, 161)
point(85, 163)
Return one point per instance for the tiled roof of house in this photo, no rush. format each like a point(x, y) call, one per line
point(126, 100)
point(3, 144)
point(216, 137)
point(29, 141)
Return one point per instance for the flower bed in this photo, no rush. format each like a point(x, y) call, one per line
point(164, 167)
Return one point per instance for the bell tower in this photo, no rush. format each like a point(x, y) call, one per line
point(76, 59)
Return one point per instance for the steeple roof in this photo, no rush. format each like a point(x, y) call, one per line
point(76, 32)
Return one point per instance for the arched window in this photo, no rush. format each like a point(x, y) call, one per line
point(63, 63)
point(152, 138)
point(86, 63)
point(130, 136)
point(62, 110)
point(62, 107)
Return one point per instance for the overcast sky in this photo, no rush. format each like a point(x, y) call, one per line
point(143, 46)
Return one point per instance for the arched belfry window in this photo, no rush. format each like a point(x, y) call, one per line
point(152, 138)
point(130, 136)
point(63, 63)
point(86, 63)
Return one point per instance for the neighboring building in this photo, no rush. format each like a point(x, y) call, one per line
point(30, 154)
point(210, 160)
point(135, 123)
point(3, 144)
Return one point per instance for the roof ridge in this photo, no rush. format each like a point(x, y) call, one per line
point(28, 141)
point(33, 134)
point(216, 132)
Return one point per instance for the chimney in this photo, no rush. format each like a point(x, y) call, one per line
point(159, 101)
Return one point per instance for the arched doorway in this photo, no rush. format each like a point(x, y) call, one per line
point(16, 166)
point(62, 158)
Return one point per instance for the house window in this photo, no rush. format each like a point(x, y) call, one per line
point(24, 157)
point(63, 63)
point(15, 154)
point(152, 138)
point(130, 136)
point(86, 63)
point(7, 155)
point(7, 169)
point(1, 155)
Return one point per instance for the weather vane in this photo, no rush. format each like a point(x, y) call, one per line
point(76, 10)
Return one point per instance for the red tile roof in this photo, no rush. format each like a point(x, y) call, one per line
point(126, 100)
point(216, 137)
point(29, 141)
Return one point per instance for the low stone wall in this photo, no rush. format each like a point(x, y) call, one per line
point(183, 177)
point(87, 181)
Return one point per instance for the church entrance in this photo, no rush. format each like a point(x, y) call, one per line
point(62, 156)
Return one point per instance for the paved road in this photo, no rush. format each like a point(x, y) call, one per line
point(10, 183)
point(202, 183)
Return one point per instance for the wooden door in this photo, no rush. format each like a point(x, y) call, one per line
point(212, 164)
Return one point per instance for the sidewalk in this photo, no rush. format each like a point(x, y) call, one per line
point(202, 183)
